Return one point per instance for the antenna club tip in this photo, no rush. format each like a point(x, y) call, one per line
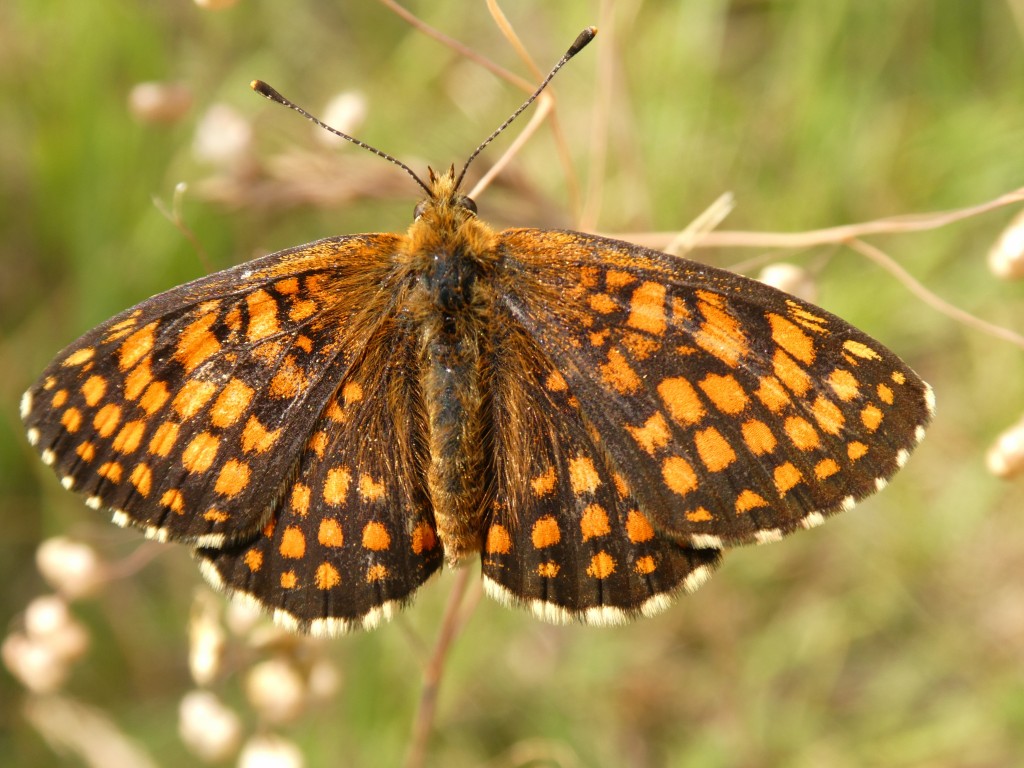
point(264, 90)
point(582, 40)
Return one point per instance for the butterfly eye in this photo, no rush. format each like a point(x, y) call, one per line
point(468, 203)
point(421, 206)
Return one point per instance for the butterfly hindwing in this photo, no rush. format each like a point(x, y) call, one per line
point(186, 413)
point(736, 412)
point(354, 533)
point(565, 536)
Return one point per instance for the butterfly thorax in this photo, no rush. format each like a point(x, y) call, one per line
point(451, 256)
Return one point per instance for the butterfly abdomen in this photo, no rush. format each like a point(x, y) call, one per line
point(451, 259)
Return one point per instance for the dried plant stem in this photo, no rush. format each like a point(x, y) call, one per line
point(845, 233)
point(935, 302)
point(433, 672)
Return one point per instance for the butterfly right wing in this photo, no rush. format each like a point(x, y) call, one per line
point(187, 413)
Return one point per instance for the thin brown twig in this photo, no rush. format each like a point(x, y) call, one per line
point(434, 671)
point(936, 302)
point(458, 47)
point(844, 233)
point(562, 145)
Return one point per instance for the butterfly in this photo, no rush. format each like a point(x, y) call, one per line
point(328, 425)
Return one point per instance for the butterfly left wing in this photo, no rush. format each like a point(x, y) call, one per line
point(186, 414)
point(736, 413)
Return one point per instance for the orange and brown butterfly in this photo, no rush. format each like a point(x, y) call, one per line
point(328, 425)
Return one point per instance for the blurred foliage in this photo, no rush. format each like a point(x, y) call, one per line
point(892, 636)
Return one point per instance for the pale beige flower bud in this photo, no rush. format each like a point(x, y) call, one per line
point(48, 621)
point(159, 102)
point(270, 751)
point(791, 279)
point(206, 639)
point(209, 729)
point(1006, 456)
point(346, 112)
point(223, 136)
point(1006, 257)
point(70, 567)
point(34, 663)
point(276, 690)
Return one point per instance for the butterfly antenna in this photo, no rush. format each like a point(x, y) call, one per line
point(265, 90)
point(578, 45)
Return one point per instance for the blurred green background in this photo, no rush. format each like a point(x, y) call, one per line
point(892, 636)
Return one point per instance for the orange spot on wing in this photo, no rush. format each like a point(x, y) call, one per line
point(647, 309)
point(594, 522)
point(548, 570)
point(231, 403)
point(376, 572)
point(142, 478)
point(423, 538)
point(129, 437)
point(326, 576)
point(828, 416)
point(618, 374)
point(758, 437)
point(856, 450)
point(602, 565)
point(196, 343)
point(679, 475)
point(791, 338)
point(871, 417)
point(293, 543)
point(645, 565)
point(173, 500)
point(253, 559)
point(262, 315)
point(790, 373)
point(154, 397)
point(786, 477)
point(164, 438)
point(699, 515)
point(498, 540)
point(725, 392)
point(370, 489)
point(93, 390)
point(653, 435)
point(638, 527)
point(233, 478)
point(801, 433)
point(137, 381)
point(256, 438)
point(844, 384)
point(111, 470)
point(299, 500)
point(583, 476)
point(714, 450)
point(825, 469)
point(748, 500)
point(137, 346)
point(329, 533)
point(199, 454)
point(545, 532)
point(71, 420)
point(289, 580)
point(192, 397)
point(376, 537)
point(336, 486)
point(681, 400)
point(106, 419)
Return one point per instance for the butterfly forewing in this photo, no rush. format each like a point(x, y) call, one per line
point(187, 413)
point(735, 412)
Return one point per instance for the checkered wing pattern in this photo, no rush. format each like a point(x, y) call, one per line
point(188, 413)
point(354, 535)
point(735, 413)
point(566, 536)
